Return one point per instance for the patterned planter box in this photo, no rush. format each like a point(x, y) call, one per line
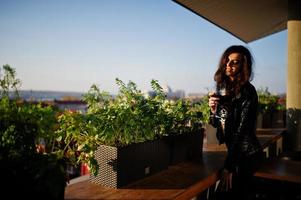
point(185, 147)
point(121, 166)
point(275, 119)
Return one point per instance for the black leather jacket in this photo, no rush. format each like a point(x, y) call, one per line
point(235, 121)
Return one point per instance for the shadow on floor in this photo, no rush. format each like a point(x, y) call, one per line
point(266, 189)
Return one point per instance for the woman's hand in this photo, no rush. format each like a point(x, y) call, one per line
point(213, 102)
point(226, 180)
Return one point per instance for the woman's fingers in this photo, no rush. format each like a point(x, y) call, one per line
point(230, 181)
point(226, 181)
point(213, 101)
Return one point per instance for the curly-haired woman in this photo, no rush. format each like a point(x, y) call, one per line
point(233, 107)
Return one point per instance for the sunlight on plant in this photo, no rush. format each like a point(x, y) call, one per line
point(34, 129)
point(268, 102)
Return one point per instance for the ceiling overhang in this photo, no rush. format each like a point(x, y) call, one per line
point(247, 20)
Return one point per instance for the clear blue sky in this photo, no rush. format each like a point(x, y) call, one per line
point(68, 45)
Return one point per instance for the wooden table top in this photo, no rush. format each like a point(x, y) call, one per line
point(181, 181)
point(281, 169)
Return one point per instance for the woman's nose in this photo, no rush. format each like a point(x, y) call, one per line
point(229, 63)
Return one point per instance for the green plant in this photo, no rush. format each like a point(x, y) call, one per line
point(129, 118)
point(268, 102)
point(204, 108)
point(9, 81)
point(184, 117)
point(77, 139)
point(22, 126)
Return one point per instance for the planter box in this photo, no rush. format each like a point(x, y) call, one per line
point(275, 119)
point(121, 166)
point(185, 147)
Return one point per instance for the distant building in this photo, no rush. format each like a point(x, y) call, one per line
point(35, 95)
point(195, 97)
point(178, 94)
point(72, 105)
point(166, 89)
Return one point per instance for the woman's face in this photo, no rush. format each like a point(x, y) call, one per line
point(233, 64)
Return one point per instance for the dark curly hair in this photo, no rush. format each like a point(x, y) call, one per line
point(244, 74)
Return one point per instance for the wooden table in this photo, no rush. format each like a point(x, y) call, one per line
point(182, 181)
point(281, 169)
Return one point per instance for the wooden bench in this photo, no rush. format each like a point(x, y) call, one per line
point(271, 141)
point(280, 169)
point(278, 179)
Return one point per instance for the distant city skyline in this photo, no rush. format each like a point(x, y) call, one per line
point(68, 45)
